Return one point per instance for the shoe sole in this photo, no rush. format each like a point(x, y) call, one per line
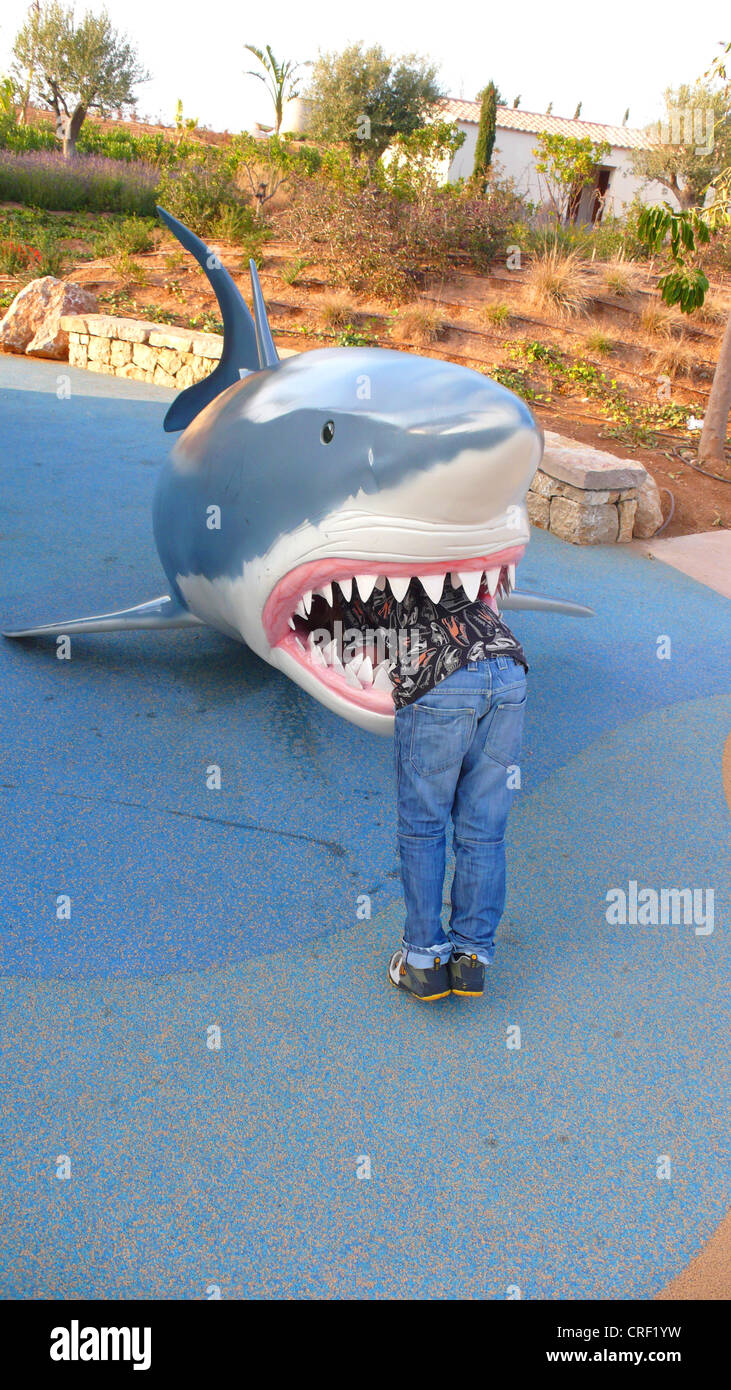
point(469, 993)
point(423, 998)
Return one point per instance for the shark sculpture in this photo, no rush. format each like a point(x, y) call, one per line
point(294, 480)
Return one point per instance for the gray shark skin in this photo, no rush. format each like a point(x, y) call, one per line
point(334, 467)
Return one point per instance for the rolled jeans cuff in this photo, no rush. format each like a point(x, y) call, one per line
point(423, 957)
point(460, 949)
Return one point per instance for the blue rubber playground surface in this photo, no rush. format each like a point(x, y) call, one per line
point(492, 1167)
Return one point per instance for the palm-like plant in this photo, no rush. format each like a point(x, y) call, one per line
point(279, 78)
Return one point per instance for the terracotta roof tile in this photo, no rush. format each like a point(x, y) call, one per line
point(509, 118)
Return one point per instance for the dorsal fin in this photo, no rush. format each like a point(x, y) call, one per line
point(268, 356)
point(241, 351)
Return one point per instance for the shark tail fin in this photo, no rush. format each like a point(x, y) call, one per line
point(158, 613)
point(247, 345)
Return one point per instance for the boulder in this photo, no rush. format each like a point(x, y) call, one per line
point(648, 517)
point(32, 324)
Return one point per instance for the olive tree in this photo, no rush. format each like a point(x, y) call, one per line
point(76, 66)
point(365, 98)
point(692, 144)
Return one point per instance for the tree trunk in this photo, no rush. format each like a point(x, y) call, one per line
point(71, 133)
point(25, 100)
point(713, 438)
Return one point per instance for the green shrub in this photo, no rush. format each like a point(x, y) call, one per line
point(53, 257)
point(376, 242)
point(496, 314)
point(128, 268)
point(22, 138)
point(198, 193)
point(238, 223)
point(607, 240)
point(135, 235)
point(233, 222)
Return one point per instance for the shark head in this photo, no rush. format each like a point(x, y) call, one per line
point(342, 467)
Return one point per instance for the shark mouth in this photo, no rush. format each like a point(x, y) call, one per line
point(301, 615)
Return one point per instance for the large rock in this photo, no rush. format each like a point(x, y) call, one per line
point(32, 324)
point(648, 517)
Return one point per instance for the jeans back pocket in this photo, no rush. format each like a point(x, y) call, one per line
point(439, 737)
point(504, 732)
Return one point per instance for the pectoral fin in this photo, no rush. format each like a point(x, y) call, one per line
point(546, 605)
point(164, 612)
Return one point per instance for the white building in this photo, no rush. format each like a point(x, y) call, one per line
point(615, 184)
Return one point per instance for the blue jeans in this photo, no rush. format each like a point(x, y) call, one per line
point(457, 753)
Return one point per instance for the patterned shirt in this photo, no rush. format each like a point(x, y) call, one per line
point(425, 641)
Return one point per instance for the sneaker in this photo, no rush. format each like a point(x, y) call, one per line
point(426, 984)
point(467, 975)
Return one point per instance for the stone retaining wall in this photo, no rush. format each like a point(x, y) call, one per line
point(167, 356)
point(589, 497)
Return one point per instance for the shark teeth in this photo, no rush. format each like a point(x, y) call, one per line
point(493, 579)
point(316, 650)
point(433, 585)
point(500, 578)
point(399, 584)
point(470, 583)
point(360, 664)
point(365, 584)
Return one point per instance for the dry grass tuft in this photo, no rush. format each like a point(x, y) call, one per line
point(620, 277)
point(336, 311)
point(418, 323)
point(598, 342)
point(656, 320)
point(557, 284)
point(673, 359)
point(712, 311)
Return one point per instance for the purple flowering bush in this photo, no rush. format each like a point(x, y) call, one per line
point(92, 183)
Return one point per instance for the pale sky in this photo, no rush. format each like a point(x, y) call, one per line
point(609, 56)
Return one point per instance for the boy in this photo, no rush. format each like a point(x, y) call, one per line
point(459, 687)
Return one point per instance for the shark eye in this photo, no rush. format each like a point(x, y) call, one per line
point(328, 432)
